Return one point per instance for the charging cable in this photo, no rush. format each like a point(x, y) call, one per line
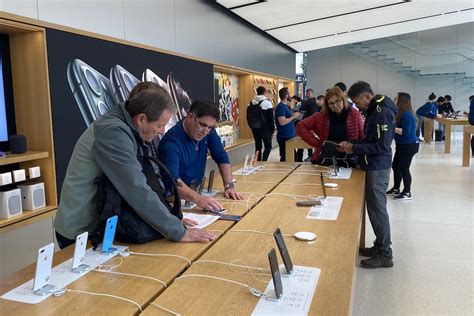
point(243, 265)
point(165, 309)
point(255, 232)
point(62, 291)
point(252, 290)
point(131, 275)
point(160, 255)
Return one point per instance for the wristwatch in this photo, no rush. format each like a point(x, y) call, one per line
point(229, 186)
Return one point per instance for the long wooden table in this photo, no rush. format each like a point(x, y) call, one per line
point(293, 144)
point(137, 289)
point(468, 132)
point(334, 252)
point(448, 123)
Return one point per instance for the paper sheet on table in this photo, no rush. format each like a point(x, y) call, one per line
point(329, 210)
point(203, 220)
point(344, 174)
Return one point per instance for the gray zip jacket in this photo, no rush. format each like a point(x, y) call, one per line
point(109, 147)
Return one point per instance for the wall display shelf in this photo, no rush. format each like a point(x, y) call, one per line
point(32, 111)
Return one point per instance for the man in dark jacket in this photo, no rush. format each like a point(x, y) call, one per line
point(375, 157)
point(265, 132)
point(471, 119)
point(308, 107)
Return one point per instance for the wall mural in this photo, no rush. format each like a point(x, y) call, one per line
point(227, 95)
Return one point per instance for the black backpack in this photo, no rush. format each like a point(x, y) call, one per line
point(131, 228)
point(255, 115)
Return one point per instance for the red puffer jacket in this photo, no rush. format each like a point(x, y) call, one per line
point(318, 123)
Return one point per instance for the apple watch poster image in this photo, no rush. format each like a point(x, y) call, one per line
point(91, 89)
point(123, 82)
point(180, 96)
point(150, 76)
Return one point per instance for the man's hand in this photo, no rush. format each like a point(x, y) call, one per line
point(230, 193)
point(207, 202)
point(439, 115)
point(346, 147)
point(189, 222)
point(197, 235)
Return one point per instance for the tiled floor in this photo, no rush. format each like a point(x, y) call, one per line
point(432, 239)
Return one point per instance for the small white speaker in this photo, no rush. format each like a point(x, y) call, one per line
point(10, 203)
point(32, 196)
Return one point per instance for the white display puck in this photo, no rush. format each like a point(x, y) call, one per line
point(306, 236)
point(331, 185)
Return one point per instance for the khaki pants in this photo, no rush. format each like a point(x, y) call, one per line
point(429, 127)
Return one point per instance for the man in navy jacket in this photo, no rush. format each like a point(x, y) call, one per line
point(375, 157)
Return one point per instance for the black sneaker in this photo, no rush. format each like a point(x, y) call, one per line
point(368, 252)
point(376, 262)
point(403, 196)
point(393, 191)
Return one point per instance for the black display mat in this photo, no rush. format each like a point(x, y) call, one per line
point(63, 47)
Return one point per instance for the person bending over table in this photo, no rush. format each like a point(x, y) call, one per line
point(184, 150)
point(110, 147)
point(337, 122)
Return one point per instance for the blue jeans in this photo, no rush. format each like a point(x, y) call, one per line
point(376, 184)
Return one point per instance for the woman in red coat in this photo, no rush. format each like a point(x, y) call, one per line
point(336, 122)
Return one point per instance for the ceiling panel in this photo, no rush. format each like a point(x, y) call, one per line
point(279, 13)
point(312, 24)
point(235, 3)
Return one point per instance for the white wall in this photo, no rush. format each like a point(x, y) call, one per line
point(331, 65)
point(192, 27)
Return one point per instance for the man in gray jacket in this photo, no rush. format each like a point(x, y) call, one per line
point(110, 146)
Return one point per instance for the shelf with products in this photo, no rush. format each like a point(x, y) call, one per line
point(32, 112)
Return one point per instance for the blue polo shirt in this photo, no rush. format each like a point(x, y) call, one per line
point(286, 131)
point(178, 152)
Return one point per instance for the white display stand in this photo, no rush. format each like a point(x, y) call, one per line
point(298, 291)
point(61, 276)
point(328, 210)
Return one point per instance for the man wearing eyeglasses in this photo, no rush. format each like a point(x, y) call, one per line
point(184, 150)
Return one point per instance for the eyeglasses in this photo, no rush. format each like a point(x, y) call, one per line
point(203, 126)
point(337, 102)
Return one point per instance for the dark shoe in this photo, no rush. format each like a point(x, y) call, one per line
point(403, 196)
point(393, 191)
point(376, 262)
point(368, 252)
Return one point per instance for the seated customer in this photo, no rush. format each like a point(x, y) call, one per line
point(337, 122)
point(184, 150)
point(110, 147)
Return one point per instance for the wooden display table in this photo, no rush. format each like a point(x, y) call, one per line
point(137, 289)
point(468, 131)
point(334, 252)
point(294, 144)
point(448, 123)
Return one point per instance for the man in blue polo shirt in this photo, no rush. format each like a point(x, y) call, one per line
point(284, 119)
point(184, 150)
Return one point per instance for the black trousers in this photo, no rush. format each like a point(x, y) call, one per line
point(404, 154)
point(262, 136)
point(63, 242)
point(472, 145)
point(282, 148)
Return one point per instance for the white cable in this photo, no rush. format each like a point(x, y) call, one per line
point(305, 184)
point(259, 182)
point(108, 267)
point(254, 231)
point(252, 290)
point(254, 275)
point(232, 264)
point(106, 295)
point(165, 309)
point(132, 275)
point(159, 255)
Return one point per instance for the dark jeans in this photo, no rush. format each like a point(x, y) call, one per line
point(262, 136)
point(63, 242)
point(282, 148)
point(420, 126)
point(376, 184)
point(472, 145)
point(404, 154)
